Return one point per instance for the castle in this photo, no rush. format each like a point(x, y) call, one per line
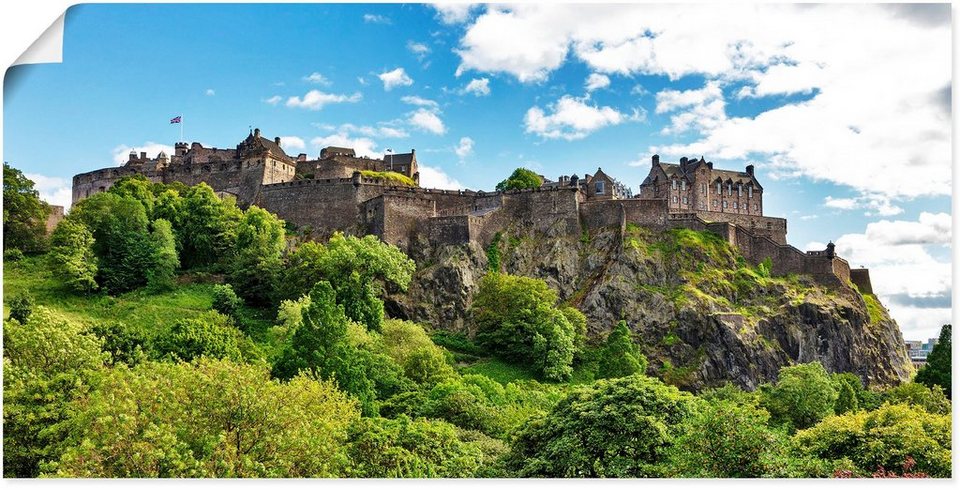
point(339, 191)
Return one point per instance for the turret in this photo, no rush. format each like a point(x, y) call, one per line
point(180, 149)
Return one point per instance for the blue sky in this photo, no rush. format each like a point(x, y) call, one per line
point(850, 151)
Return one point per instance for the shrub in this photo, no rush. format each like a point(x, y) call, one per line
point(12, 255)
point(933, 400)
point(122, 343)
point(225, 301)
point(404, 448)
point(802, 396)
point(211, 335)
point(21, 305)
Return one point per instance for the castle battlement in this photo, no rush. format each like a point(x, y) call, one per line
point(331, 194)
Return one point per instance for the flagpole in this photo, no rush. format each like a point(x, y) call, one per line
point(181, 127)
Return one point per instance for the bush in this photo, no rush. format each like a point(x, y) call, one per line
point(802, 396)
point(211, 335)
point(933, 400)
point(21, 305)
point(620, 356)
point(225, 301)
point(521, 178)
point(614, 428)
point(122, 343)
point(404, 448)
point(13, 255)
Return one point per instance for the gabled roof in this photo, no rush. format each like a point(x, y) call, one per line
point(399, 158)
point(674, 170)
point(337, 150)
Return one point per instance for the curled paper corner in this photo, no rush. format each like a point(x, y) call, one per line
point(48, 48)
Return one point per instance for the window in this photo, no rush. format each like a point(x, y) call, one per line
point(729, 189)
point(718, 187)
point(724, 204)
point(683, 185)
point(674, 181)
point(750, 191)
point(703, 189)
point(714, 203)
point(599, 187)
point(674, 199)
point(739, 189)
point(685, 199)
point(756, 207)
point(736, 205)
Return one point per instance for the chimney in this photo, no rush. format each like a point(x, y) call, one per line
point(302, 157)
point(277, 140)
point(133, 155)
point(256, 133)
point(143, 155)
point(683, 160)
point(750, 170)
point(413, 151)
point(656, 159)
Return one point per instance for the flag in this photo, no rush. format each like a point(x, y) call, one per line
point(175, 120)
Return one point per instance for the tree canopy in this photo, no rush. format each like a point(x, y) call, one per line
point(24, 214)
point(521, 178)
point(937, 371)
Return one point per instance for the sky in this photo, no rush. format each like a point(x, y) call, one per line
point(845, 110)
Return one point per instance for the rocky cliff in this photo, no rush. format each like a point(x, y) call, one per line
point(702, 314)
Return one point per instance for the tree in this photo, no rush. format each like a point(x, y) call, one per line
point(210, 334)
point(259, 248)
point(725, 439)
point(846, 400)
point(516, 317)
point(163, 266)
point(72, 259)
point(124, 344)
point(208, 418)
point(937, 369)
point(802, 396)
point(933, 400)
point(620, 356)
point(883, 438)
point(122, 241)
point(521, 178)
point(138, 187)
point(615, 428)
point(24, 214)
point(359, 269)
point(208, 233)
point(46, 363)
point(404, 448)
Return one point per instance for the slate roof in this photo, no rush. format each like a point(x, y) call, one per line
point(734, 176)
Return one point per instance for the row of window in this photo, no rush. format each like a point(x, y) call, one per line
point(736, 204)
point(703, 188)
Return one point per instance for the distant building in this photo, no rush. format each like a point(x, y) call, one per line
point(920, 350)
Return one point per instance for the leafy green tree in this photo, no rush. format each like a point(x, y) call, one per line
point(209, 418)
point(725, 439)
point(208, 227)
point(620, 356)
point(404, 448)
point(225, 301)
point(169, 205)
point(46, 363)
point(124, 344)
point(163, 266)
point(210, 334)
point(516, 317)
point(21, 306)
point(259, 248)
point(521, 178)
point(802, 396)
point(846, 400)
point(578, 321)
point(933, 400)
point(615, 428)
point(122, 240)
point(137, 187)
point(937, 369)
point(24, 214)
point(885, 438)
point(71, 258)
point(359, 269)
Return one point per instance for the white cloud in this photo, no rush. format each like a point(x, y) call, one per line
point(464, 148)
point(571, 119)
point(362, 146)
point(875, 204)
point(317, 78)
point(929, 229)
point(478, 87)
point(597, 81)
point(276, 99)
point(376, 19)
point(875, 117)
point(419, 50)
point(314, 100)
point(436, 178)
point(54, 190)
point(395, 78)
point(701, 109)
point(210, 92)
point(292, 143)
point(379, 131)
point(362, 81)
point(419, 101)
point(427, 120)
point(121, 152)
point(454, 13)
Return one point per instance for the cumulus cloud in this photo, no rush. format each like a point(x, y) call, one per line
point(596, 81)
point(292, 143)
point(276, 99)
point(571, 118)
point(314, 100)
point(376, 19)
point(362, 145)
point(427, 120)
point(121, 152)
point(436, 178)
point(420, 101)
point(701, 109)
point(868, 94)
point(381, 130)
point(395, 78)
point(54, 190)
point(419, 50)
point(454, 13)
point(317, 78)
point(464, 148)
point(478, 87)
point(874, 204)
point(210, 92)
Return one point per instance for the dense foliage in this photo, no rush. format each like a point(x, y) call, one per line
point(620, 356)
point(937, 370)
point(802, 396)
point(521, 178)
point(24, 214)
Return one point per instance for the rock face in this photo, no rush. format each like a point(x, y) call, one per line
point(701, 314)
